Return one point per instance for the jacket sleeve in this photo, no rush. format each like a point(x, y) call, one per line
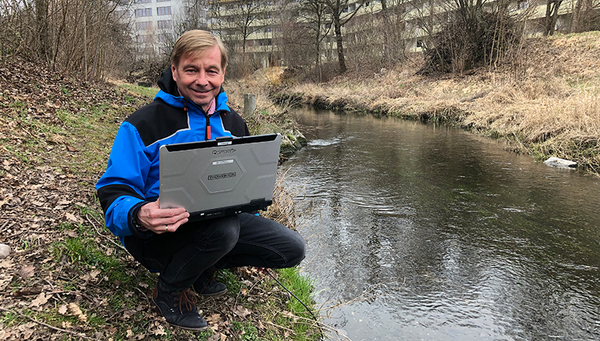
point(121, 187)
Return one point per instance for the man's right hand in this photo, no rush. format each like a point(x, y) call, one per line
point(161, 220)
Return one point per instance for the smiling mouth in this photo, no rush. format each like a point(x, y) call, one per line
point(202, 91)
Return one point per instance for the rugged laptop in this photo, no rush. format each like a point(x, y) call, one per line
point(219, 177)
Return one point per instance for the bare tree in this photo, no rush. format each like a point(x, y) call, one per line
point(316, 21)
point(552, 7)
point(585, 16)
point(341, 13)
point(69, 35)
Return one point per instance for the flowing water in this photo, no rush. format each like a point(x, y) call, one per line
point(422, 232)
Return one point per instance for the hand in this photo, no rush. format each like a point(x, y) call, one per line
point(161, 220)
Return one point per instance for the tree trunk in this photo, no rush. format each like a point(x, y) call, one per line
point(575, 17)
point(340, 45)
point(551, 16)
point(41, 15)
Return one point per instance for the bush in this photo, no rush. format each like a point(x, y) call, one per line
point(474, 37)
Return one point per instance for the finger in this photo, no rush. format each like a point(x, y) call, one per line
point(175, 227)
point(171, 220)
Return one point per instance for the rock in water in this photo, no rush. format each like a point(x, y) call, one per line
point(560, 163)
point(4, 251)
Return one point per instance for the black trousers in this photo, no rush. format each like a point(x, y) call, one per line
point(240, 240)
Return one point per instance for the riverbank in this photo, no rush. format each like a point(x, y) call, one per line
point(66, 276)
point(546, 102)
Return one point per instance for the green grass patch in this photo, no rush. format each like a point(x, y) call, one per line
point(248, 331)
point(141, 90)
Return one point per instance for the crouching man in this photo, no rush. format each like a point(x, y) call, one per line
point(190, 106)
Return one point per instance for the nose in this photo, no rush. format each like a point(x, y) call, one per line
point(202, 80)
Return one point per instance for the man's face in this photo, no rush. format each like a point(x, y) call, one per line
point(199, 77)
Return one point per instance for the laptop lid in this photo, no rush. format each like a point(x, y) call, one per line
point(219, 177)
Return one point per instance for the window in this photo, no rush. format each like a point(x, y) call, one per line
point(144, 38)
point(164, 24)
point(143, 26)
point(163, 10)
point(122, 14)
point(267, 30)
point(523, 4)
point(166, 37)
point(162, 0)
point(143, 1)
point(143, 12)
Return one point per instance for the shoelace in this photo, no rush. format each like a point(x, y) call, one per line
point(187, 300)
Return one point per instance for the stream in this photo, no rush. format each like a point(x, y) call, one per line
point(425, 232)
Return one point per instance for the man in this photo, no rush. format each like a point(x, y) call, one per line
point(191, 106)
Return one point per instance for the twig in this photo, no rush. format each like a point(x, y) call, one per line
point(49, 326)
point(319, 323)
point(282, 327)
point(104, 236)
point(247, 292)
point(146, 296)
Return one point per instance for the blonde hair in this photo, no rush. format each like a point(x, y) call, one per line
point(195, 42)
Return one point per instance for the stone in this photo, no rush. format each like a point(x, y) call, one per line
point(560, 163)
point(4, 251)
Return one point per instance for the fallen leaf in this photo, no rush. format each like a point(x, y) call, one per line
point(26, 271)
point(72, 234)
point(28, 291)
point(213, 318)
point(160, 330)
point(6, 263)
point(91, 276)
point(72, 217)
point(242, 311)
point(76, 311)
point(66, 324)
point(62, 309)
point(27, 329)
point(129, 333)
point(214, 337)
point(40, 300)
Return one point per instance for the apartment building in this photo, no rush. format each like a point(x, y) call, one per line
point(153, 22)
point(249, 28)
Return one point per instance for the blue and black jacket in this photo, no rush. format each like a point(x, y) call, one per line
point(132, 176)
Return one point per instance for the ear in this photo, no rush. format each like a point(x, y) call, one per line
point(174, 72)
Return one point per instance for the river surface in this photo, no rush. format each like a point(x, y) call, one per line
point(422, 232)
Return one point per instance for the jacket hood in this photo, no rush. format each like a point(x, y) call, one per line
point(170, 94)
point(167, 84)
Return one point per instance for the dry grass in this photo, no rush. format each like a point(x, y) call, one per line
point(547, 98)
